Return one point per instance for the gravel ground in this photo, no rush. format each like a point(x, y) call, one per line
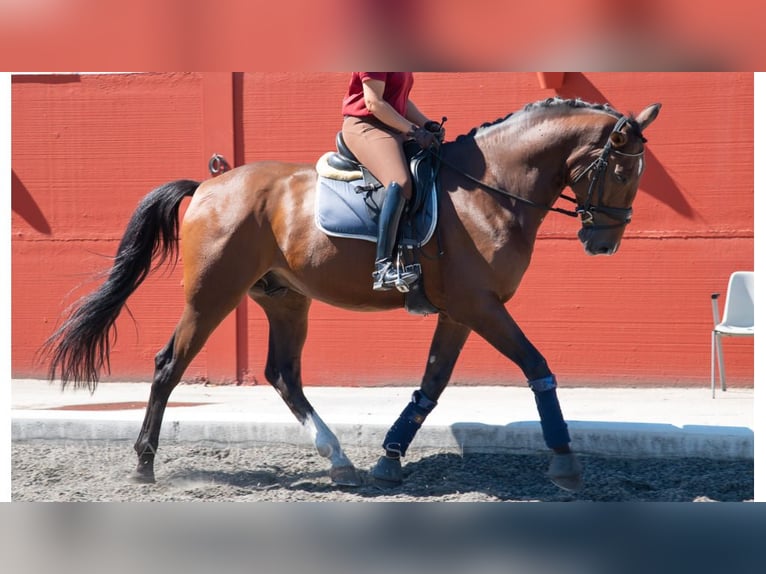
point(98, 470)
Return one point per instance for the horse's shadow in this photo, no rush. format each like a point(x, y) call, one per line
point(486, 477)
point(476, 472)
point(522, 477)
point(430, 477)
point(472, 476)
point(257, 479)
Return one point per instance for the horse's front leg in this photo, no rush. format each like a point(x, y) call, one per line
point(446, 345)
point(490, 319)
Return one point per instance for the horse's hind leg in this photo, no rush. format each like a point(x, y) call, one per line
point(191, 332)
point(148, 439)
point(210, 297)
point(287, 312)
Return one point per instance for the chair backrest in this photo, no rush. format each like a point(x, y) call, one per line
point(740, 298)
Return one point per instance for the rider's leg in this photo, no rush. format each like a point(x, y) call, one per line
point(381, 151)
point(386, 275)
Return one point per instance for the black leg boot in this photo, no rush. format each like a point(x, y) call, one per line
point(386, 276)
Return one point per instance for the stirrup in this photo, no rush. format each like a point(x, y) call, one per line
point(387, 276)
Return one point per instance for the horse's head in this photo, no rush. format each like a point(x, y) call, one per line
point(605, 181)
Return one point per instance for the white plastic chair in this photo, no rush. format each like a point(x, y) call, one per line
point(737, 319)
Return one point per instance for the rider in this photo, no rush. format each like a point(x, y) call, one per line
point(378, 118)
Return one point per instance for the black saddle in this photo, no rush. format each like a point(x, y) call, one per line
point(348, 206)
point(422, 166)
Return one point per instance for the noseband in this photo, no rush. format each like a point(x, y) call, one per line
point(585, 211)
point(623, 215)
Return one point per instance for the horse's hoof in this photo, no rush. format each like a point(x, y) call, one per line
point(387, 472)
point(565, 471)
point(345, 476)
point(137, 477)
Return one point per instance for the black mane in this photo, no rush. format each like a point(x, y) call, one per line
point(556, 103)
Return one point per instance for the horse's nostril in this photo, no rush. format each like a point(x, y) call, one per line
point(602, 249)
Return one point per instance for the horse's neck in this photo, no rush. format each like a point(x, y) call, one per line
point(536, 150)
point(525, 157)
point(525, 160)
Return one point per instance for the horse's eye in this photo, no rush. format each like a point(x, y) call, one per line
point(620, 178)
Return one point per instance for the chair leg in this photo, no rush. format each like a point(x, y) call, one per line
point(721, 369)
point(712, 363)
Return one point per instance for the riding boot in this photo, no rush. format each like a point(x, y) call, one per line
point(386, 275)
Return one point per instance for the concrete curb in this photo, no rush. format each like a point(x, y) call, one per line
point(611, 439)
point(630, 422)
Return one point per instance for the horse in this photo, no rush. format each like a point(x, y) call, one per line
point(250, 231)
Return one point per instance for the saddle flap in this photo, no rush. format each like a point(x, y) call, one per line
point(341, 211)
point(348, 196)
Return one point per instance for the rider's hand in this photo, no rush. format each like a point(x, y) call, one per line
point(425, 138)
point(435, 128)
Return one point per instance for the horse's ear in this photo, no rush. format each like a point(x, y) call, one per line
point(648, 115)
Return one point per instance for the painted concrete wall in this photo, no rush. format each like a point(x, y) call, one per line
point(87, 148)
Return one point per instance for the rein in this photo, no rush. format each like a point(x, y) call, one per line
point(569, 212)
point(585, 212)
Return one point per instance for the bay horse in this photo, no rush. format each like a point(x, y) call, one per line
point(250, 231)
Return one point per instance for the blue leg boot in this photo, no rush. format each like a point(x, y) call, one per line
point(388, 470)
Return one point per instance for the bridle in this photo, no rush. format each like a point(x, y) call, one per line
point(622, 215)
point(586, 210)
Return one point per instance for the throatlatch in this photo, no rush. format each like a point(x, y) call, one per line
point(555, 431)
point(400, 435)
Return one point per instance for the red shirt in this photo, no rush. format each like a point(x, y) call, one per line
point(396, 92)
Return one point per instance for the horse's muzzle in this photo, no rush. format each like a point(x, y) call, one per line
point(597, 243)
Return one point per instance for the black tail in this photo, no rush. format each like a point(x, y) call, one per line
point(79, 349)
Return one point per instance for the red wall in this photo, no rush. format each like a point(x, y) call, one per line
point(86, 149)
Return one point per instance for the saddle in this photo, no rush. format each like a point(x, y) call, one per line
point(349, 199)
